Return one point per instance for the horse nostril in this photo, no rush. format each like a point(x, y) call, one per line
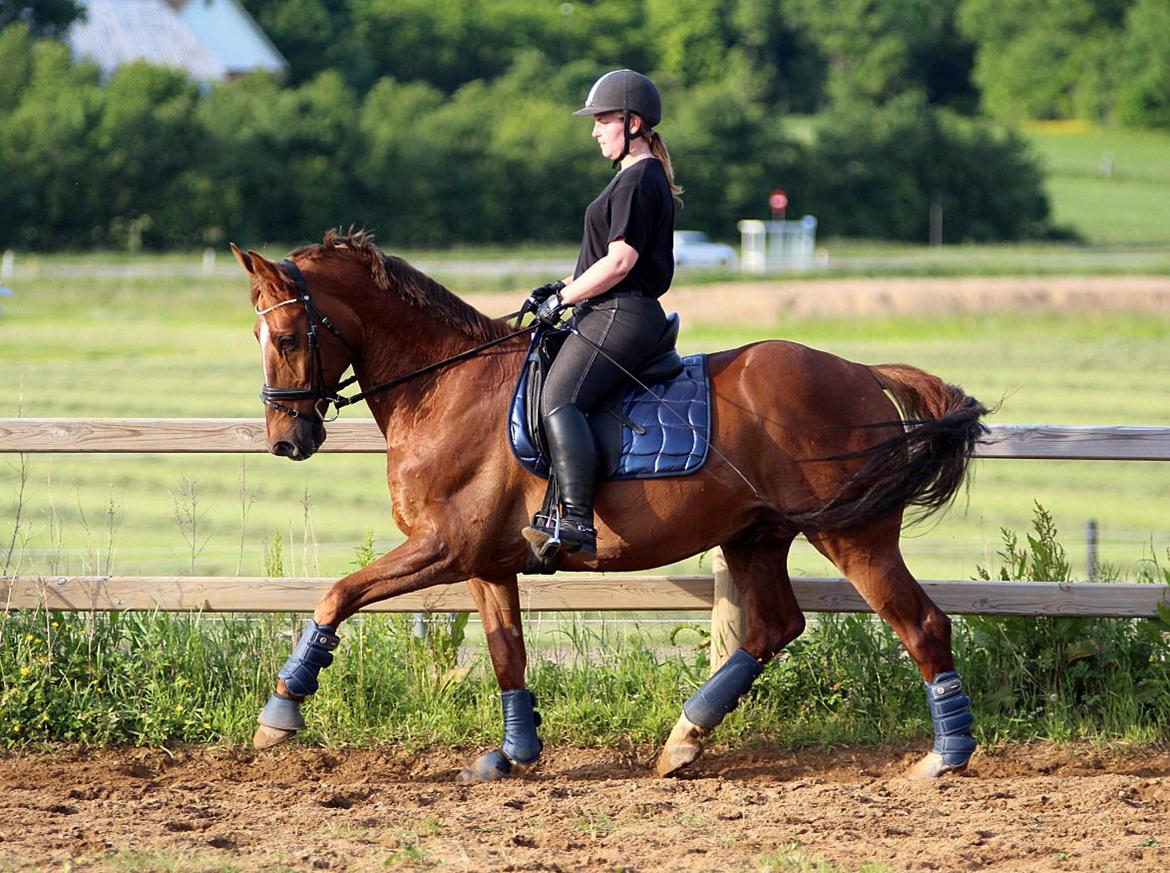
point(284, 448)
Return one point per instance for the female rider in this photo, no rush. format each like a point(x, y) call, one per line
point(626, 263)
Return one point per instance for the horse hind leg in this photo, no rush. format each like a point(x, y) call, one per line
point(759, 568)
point(871, 559)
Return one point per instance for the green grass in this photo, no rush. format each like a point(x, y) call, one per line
point(1109, 185)
point(152, 347)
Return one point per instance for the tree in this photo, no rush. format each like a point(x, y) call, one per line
point(1143, 66)
point(877, 51)
point(16, 60)
point(51, 188)
point(43, 17)
point(1042, 58)
point(876, 173)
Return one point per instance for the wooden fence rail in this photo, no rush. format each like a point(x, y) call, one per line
point(235, 435)
point(570, 593)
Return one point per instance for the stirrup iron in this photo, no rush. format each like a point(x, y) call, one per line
point(549, 525)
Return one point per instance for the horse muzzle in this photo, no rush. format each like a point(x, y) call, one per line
point(301, 443)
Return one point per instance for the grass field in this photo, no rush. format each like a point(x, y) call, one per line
point(1110, 185)
point(115, 346)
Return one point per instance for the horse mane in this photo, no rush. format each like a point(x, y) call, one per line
point(391, 273)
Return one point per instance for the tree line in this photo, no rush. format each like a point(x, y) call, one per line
point(442, 121)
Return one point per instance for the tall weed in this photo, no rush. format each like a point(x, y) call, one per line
point(1063, 677)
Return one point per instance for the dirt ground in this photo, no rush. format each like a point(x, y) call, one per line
point(299, 808)
point(767, 303)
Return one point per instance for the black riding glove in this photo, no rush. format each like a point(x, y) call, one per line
point(541, 294)
point(537, 296)
point(550, 309)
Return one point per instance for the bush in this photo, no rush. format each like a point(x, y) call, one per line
point(876, 172)
point(1071, 675)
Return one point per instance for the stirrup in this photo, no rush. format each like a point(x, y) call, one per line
point(549, 534)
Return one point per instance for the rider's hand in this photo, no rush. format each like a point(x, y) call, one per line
point(550, 309)
point(541, 294)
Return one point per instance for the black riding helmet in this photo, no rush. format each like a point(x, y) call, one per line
point(625, 91)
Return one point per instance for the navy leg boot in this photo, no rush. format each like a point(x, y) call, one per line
point(282, 712)
point(521, 744)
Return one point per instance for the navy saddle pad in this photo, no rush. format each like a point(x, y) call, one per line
point(641, 434)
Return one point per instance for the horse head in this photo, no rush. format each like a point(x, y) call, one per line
point(303, 352)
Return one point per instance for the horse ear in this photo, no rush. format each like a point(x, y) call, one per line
point(263, 268)
point(245, 261)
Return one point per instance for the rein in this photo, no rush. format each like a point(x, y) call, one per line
point(317, 391)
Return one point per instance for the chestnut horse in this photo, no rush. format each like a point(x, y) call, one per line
point(818, 447)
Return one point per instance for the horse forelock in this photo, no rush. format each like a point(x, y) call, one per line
point(393, 274)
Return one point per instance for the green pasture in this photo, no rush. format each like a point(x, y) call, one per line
point(1109, 185)
point(125, 346)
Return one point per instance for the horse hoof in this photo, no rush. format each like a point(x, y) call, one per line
point(674, 758)
point(487, 768)
point(682, 748)
point(266, 737)
point(932, 766)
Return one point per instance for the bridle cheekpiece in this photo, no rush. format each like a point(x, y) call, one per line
point(316, 391)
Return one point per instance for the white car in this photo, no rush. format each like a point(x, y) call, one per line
point(693, 248)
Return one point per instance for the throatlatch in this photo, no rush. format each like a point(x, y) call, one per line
point(720, 694)
point(950, 710)
point(313, 652)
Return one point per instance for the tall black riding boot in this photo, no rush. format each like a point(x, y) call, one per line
point(573, 453)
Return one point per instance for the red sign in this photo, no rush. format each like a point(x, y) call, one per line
point(778, 200)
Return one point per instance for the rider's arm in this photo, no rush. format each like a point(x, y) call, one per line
point(603, 275)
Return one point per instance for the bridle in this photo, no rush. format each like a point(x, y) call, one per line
point(316, 391)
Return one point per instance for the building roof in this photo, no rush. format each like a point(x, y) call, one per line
point(209, 40)
point(224, 27)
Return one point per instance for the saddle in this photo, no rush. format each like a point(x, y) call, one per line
point(642, 433)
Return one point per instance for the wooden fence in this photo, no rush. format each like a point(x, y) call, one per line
point(570, 592)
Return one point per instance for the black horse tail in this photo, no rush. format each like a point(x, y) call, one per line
point(923, 466)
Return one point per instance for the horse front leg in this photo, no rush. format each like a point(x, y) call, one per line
point(498, 601)
point(418, 563)
point(759, 568)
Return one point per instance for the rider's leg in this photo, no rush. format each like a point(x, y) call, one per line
point(573, 453)
point(611, 338)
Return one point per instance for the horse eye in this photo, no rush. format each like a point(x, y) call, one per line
point(286, 343)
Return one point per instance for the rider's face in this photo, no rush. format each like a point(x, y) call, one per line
point(607, 130)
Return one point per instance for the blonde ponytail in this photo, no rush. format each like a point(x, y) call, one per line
point(658, 149)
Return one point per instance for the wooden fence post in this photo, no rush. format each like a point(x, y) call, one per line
point(728, 621)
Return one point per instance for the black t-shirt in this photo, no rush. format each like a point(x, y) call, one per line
point(636, 207)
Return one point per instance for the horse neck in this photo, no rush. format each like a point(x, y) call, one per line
point(400, 337)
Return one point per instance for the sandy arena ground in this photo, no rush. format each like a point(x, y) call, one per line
point(298, 808)
point(767, 303)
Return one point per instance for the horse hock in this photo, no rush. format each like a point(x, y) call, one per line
point(521, 744)
point(950, 711)
point(706, 709)
point(281, 716)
